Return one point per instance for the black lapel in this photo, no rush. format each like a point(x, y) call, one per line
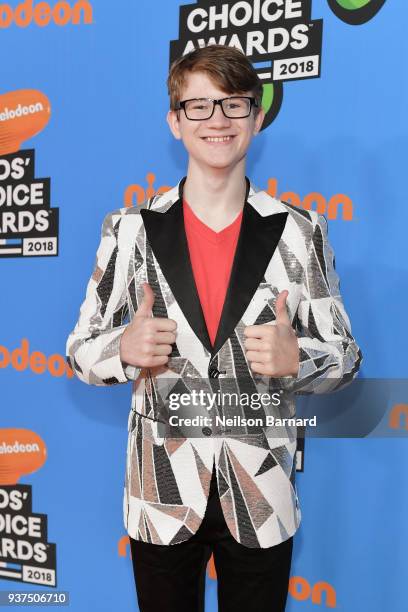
point(257, 242)
point(166, 234)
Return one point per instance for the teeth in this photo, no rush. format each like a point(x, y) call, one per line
point(218, 139)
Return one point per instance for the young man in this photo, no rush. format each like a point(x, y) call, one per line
point(220, 282)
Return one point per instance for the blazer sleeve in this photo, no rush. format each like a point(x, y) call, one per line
point(329, 357)
point(92, 348)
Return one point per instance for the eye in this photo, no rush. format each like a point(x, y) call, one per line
point(198, 105)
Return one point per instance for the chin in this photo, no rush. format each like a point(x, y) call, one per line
point(219, 164)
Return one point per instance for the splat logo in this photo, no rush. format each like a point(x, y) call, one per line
point(42, 14)
point(23, 114)
point(25, 553)
point(278, 36)
point(338, 205)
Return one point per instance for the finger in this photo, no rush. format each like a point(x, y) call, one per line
point(146, 305)
point(151, 362)
point(256, 331)
point(263, 333)
point(165, 337)
point(254, 344)
point(149, 348)
point(159, 324)
point(160, 360)
point(257, 356)
point(161, 349)
point(282, 317)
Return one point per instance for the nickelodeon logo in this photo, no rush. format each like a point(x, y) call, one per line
point(62, 13)
point(21, 359)
point(23, 114)
point(395, 420)
point(22, 452)
point(337, 205)
point(321, 593)
point(135, 194)
point(315, 201)
point(301, 590)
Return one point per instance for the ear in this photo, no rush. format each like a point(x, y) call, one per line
point(174, 123)
point(259, 120)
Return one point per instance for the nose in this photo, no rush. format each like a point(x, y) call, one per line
point(218, 117)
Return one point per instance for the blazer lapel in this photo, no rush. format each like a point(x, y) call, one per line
point(166, 235)
point(257, 242)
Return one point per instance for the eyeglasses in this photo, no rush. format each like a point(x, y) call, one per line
point(200, 109)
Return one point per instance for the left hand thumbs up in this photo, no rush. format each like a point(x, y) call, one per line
point(282, 317)
point(273, 350)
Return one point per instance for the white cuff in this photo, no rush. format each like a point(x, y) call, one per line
point(131, 372)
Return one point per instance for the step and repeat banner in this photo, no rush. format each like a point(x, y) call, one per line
point(83, 102)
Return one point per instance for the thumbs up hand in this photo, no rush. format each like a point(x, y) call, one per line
point(146, 341)
point(273, 350)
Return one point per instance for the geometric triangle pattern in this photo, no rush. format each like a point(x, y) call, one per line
point(167, 480)
point(329, 355)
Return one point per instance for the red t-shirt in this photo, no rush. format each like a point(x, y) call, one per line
point(211, 254)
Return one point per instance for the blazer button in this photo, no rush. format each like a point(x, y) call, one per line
point(207, 431)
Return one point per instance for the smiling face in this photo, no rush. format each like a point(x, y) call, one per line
point(218, 142)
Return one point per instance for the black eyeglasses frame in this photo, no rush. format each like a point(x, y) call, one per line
point(253, 102)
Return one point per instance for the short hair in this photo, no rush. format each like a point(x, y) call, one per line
point(227, 67)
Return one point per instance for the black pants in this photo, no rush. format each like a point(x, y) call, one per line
point(172, 578)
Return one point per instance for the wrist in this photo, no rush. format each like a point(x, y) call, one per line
point(123, 349)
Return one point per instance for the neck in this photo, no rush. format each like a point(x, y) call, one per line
point(216, 196)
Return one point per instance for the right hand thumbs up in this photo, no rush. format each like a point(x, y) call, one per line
point(146, 306)
point(146, 341)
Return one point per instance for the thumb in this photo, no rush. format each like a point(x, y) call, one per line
point(146, 305)
point(282, 316)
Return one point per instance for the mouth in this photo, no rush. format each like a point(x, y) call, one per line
point(218, 139)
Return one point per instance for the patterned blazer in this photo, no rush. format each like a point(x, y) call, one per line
point(167, 478)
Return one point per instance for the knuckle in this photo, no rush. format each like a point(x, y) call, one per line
point(147, 349)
